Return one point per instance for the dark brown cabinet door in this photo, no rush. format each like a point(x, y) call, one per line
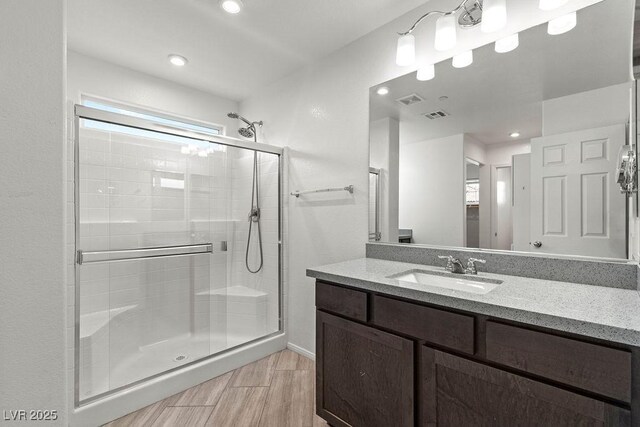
point(459, 392)
point(364, 376)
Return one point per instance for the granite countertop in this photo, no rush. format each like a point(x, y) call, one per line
point(594, 311)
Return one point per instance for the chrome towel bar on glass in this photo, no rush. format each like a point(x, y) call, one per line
point(87, 257)
point(348, 188)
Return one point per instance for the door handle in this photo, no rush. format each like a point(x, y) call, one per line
point(537, 243)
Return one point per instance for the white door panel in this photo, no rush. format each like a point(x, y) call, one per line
point(502, 224)
point(521, 202)
point(576, 207)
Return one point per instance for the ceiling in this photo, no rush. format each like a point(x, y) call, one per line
point(229, 55)
point(502, 93)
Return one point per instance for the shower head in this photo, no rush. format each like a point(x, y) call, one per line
point(246, 132)
point(238, 116)
point(250, 130)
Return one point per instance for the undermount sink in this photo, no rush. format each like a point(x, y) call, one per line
point(474, 285)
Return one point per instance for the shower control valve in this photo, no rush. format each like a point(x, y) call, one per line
point(254, 215)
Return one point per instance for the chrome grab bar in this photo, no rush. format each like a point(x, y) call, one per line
point(87, 257)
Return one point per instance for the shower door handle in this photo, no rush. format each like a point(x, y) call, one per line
point(87, 257)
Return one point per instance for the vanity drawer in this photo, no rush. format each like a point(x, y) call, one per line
point(451, 330)
point(592, 367)
point(346, 302)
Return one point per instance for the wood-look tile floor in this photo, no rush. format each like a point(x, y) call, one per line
point(277, 391)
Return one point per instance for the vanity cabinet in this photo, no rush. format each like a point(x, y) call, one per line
point(460, 392)
point(595, 368)
point(385, 361)
point(366, 375)
point(440, 327)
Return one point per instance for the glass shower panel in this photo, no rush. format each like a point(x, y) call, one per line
point(247, 307)
point(164, 240)
point(151, 320)
point(374, 208)
point(144, 206)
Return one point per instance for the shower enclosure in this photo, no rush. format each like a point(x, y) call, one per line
point(161, 241)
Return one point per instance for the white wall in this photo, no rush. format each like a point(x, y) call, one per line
point(586, 110)
point(432, 190)
point(321, 112)
point(500, 154)
point(384, 136)
point(474, 149)
point(91, 76)
point(32, 207)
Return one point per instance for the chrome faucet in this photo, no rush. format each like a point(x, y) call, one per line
point(455, 266)
point(471, 265)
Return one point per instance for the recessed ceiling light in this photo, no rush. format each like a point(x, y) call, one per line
point(177, 60)
point(231, 6)
point(382, 91)
point(514, 134)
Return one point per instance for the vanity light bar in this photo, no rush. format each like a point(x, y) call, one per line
point(493, 11)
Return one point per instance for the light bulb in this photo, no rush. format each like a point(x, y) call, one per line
point(177, 60)
point(514, 134)
point(382, 91)
point(463, 60)
point(426, 72)
point(231, 6)
point(446, 37)
point(507, 44)
point(494, 15)
point(406, 52)
point(562, 24)
point(551, 4)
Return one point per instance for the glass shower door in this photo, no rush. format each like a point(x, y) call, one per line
point(167, 264)
point(146, 252)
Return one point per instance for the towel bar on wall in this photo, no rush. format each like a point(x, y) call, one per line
point(348, 188)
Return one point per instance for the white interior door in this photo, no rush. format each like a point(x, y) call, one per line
point(521, 201)
point(576, 206)
point(501, 213)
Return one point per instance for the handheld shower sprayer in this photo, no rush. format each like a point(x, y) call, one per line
point(254, 213)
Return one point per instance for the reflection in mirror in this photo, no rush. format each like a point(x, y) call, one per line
point(517, 151)
point(374, 204)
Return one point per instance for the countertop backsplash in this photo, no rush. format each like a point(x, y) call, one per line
point(610, 273)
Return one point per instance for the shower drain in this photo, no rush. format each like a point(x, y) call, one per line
point(180, 358)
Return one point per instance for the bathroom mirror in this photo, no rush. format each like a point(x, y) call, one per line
point(517, 151)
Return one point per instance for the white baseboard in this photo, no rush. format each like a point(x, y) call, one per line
point(306, 353)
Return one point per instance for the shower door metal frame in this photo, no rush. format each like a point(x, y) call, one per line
point(376, 236)
point(84, 112)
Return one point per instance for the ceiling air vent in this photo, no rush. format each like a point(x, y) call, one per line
point(436, 114)
point(410, 99)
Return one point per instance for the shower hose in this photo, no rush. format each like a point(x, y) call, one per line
point(254, 216)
